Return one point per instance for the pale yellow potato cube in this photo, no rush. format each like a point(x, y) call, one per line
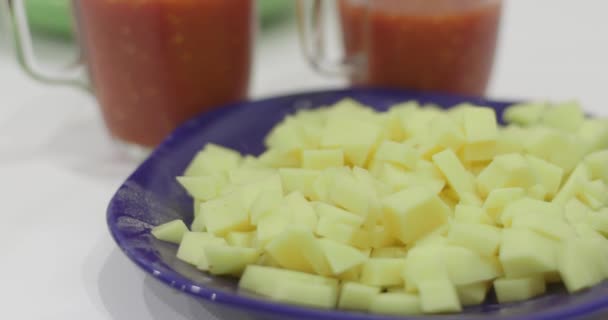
point(594, 132)
point(327, 211)
point(267, 201)
point(594, 194)
point(302, 180)
point(258, 277)
point(445, 133)
point(398, 179)
point(380, 237)
point(584, 230)
point(198, 223)
point(573, 184)
point(423, 263)
point(414, 212)
point(538, 192)
point(525, 114)
point(479, 151)
point(275, 158)
point(498, 199)
point(271, 225)
point(355, 137)
point(549, 144)
point(389, 252)
point(505, 171)
point(438, 296)
point(575, 211)
point(548, 225)
point(225, 214)
point(213, 159)
point(596, 163)
point(400, 154)
point(172, 231)
point(353, 275)
point(483, 239)
point(417, 123)
point(356, 296)
point(382, 272)
point(314, 295)
point(249, 192)
point(455, 173)
point(204, 187)
point(398, 304)
point(322, 159)
point(281, 249)
point(465, 266)
point(374, 185)
point(510, 140)
point(472, 294)
point(598, 220)
point(302, 212)
point(567, 116)
point(429, 169)
point(525, 253)
point(525, 206)
point(227, 260)
point(341, 257)
point(518, 289)
point(241, 239)
point(310, 249)
point(347, 193)
point(547, 174)
point(191, 248)
point(286, 135)
point(245, 175)
point(471, 214)
point(576, 266)
point(479, 124)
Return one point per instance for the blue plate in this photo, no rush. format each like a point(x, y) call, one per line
point(151, 196)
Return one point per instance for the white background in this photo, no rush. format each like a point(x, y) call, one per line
point(58, 169)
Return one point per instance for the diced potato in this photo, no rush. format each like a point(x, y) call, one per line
point(547, 174)
point(594, 132)
point(526, 206)
point(322, 159)
point(301, 180)
point(398, 179)
point(225, 214)
point(438, 296)
point(465, 267)
point(356, 138)
point(266, 202)
point(271, 226)
point(398, 304)
point(538, 192)
point(471, 214)
point(483, 239)
point(413, 213)
point(472, 294)
point(506, 171)
point(549, 144)
point(347, 193)
point(227, 260)
point(525, 253)
point(566, 116)
point(357, 296)
point(573, 184)
point(575, 211)
point(211, 160)
point(276, 158)
point(241, 239)
point(204, 187)
point(423, 264)
point(382, 272)
point(398, 154)
point(498, 199)
point(171, 231)
point(456, 175)
point(596, 164)
point(389, 252)
point(481, 131)
point(445, 133)
point(198, 223)
point(302, 212)
point(576, 266)
point(517, 289)
point(291, 287)
point(548, 225)
point(326, 211)
point(341, 257)
point(525, 114)
point(281, 250)
point(598, 220)
point(191, 248)
point(245, 175)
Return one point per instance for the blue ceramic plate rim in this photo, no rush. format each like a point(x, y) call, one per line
point(256, 304)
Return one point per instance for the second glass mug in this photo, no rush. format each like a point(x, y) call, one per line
point(153, 64)
point(433, 45)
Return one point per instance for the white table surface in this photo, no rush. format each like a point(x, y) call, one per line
point(58, 169)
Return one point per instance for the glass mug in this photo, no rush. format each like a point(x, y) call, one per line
point(437, 45)
point(153, 64)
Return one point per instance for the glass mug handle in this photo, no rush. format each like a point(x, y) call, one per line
point(73, 75)
point(312, 29)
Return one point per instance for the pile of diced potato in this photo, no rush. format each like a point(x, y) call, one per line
point(414, 210)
